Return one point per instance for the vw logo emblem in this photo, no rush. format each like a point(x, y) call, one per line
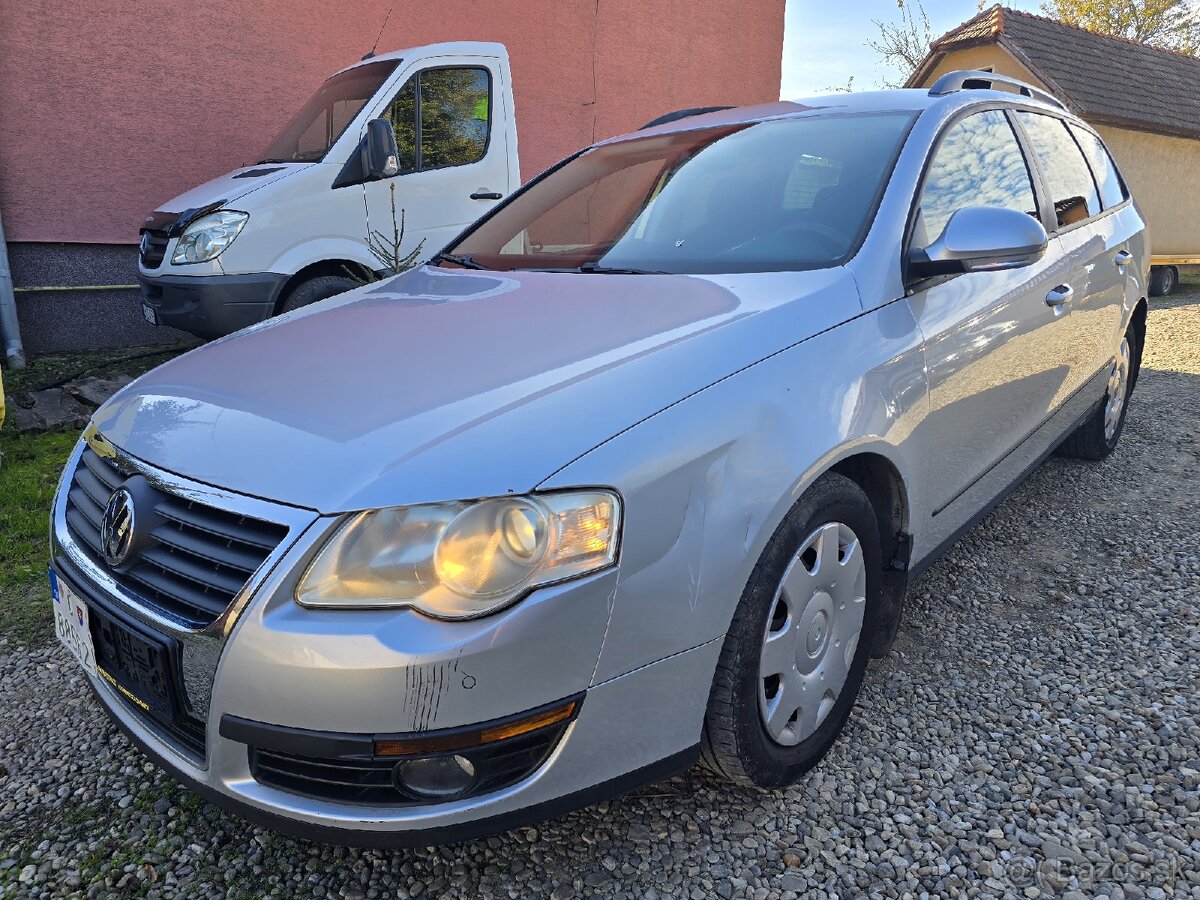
point(116, 527)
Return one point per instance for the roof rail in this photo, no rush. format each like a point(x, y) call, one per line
point(952, 82)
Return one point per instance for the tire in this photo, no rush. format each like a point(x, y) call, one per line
point(1163, 280)
point(308, 292)
point(738, 740)
point(1099, 435)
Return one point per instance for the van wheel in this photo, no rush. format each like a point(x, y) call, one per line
point(1163, 280)
point(315, 289)
point(1097, 437)
point(798, 645)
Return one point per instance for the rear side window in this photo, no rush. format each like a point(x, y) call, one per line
point(1068, 177)
point(978, 163)
point(1112, 192)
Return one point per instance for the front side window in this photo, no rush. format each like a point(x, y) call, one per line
point(780, 195)
point(1067, 175)
point(1112, 191)
point(442, 118)
point(978, 163)
point(328, 112)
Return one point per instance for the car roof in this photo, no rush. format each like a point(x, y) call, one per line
point(914, 100)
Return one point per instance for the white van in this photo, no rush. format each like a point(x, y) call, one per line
point(387, 162)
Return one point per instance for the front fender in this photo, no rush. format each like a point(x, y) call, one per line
point(707, 481)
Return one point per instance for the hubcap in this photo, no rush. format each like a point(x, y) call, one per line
point(1118, 387)
point(812, 633)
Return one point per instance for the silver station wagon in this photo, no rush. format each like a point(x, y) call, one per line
point(635, 472)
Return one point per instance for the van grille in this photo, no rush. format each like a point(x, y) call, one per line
point(198, 557)
point(153, 248)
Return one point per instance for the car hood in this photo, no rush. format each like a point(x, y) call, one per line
point(446, 384)
point(232, 186)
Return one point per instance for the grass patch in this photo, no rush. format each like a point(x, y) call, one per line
point(28, 475)
point(30, 465)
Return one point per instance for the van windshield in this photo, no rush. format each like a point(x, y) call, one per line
point(779, 195)
point(321, 121)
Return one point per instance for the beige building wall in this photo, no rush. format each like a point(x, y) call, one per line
point(1162, 172)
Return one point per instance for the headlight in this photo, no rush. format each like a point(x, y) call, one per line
point(461, 560)
point(208, 236)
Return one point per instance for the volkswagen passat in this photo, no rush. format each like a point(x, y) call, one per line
point(635, 472)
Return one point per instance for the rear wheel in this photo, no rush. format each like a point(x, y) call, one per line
point(799, 642)
point(1163, 280)
point(319, 288)
point(1097, 437)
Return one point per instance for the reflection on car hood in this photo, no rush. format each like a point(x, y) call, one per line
point(441, 384)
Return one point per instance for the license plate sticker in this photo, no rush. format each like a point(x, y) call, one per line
point(72, 624)
point(149, 314)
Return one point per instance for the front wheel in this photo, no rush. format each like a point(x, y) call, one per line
point(319, 288)
point(799, 642)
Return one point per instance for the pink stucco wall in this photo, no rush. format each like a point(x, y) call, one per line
point(109, 108)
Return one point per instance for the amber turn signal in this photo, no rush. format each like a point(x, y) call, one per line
point(462, 740)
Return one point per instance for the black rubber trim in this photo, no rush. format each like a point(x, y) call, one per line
point(305, 742)
point(427, 837)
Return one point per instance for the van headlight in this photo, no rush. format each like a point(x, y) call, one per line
point(465, 559)
point(208, 236)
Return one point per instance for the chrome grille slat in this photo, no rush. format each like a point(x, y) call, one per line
point(192, 563)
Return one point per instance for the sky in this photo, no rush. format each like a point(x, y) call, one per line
point(824, 41)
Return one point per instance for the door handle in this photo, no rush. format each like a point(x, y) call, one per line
point(1060, 295)
point(1123, 258)
point(487, 195)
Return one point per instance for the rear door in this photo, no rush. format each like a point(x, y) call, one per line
point(1096, 243)
point(996, 352)
point(449, 119)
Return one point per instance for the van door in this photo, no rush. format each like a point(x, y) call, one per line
point(995, 349)
point(449, 118)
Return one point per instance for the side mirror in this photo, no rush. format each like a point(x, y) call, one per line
point(981, 239)
point(381, 156)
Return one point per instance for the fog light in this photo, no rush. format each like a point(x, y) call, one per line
point(435, 777)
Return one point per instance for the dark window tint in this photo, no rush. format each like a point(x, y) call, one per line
point(453, 107)
point(1112, 192)
point(1067, 175)
point(321, 121)
point(763, 197)
point(455, 115)
point(978, 163)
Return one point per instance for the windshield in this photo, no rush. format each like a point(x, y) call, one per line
point(321, 121)
point(780, 195)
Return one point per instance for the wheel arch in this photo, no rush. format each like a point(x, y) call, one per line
point(342, 267)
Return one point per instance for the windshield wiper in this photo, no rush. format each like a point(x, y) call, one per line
point(263, 162)
point(465, 261)
point(593, 269)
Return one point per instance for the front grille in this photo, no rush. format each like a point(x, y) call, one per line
point(195, 558)
point(367, 781)
point(153, 248)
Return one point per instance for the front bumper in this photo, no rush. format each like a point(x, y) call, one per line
point(210, 306)
point(350, 673)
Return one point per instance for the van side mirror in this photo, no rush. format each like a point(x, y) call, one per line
point(980, 239)
point(380, 155)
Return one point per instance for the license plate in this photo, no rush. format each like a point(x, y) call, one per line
point(139, 668)
point(149, 314)
point(72, 624)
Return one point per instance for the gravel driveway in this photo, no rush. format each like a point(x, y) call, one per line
point(1036, 729)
